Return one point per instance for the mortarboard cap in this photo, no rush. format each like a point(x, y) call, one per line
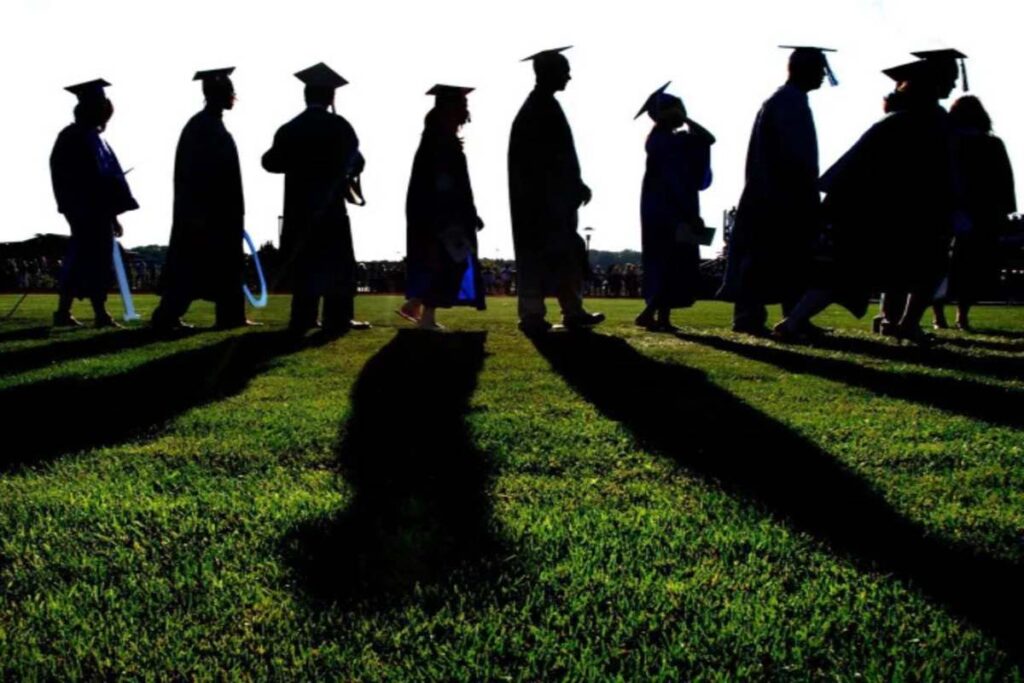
point(441, 91)
point(213, 74)
point(947, 54)
point(322, 76)
point(818, 52)
point(911, 71)
point(654, 102)
point(545, 54)
point(89, 89)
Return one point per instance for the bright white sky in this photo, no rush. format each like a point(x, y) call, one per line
point(720, 56)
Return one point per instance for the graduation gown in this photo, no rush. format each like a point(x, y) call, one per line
point(678, 168)
point(545, 187)
point(91, 191)
point(205, 258)
point(442, 267)
point(989, 196)
point(317, 151)
point(896, 188)
point(778, 216)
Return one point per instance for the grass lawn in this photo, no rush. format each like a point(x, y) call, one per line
point(473, 505)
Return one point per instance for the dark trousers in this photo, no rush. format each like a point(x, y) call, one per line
point(749, 315)
point(229, 309)
point(338, 310)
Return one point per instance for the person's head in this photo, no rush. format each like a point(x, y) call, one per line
point(451, 107)
point(219, 93)
point(968, 112)
point(93, 108)
point(94, 112)
point(807, 68)
point(949, 66)
point(552, 71)
point(321, 81)
point(918, 83)
point(669, 112)
point(319, 95)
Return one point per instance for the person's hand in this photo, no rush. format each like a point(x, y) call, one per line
point(118, 230)
point(479, 224)
point(585, 194)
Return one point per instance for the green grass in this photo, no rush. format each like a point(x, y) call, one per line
point(472, 506)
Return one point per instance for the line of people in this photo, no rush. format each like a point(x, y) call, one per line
point(893, 204)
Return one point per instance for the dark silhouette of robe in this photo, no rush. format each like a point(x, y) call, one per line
point(91, 192)
point(678, 168)
point(989, 197)
point(778, 216)
point(545, 186)
point(889, 204)
point(318, 152)
point(205, 258)
point(442, 265)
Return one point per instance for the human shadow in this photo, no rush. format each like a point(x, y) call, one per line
point(936, 357)
point(23, 360)
point(677, 412)
point(421, 509)
point(45, 419)
point(25, 334)
point(986, 402)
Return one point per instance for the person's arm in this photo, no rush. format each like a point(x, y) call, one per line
point(275, 159)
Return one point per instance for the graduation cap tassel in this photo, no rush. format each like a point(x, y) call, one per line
point(832, 80)
point(963, 75)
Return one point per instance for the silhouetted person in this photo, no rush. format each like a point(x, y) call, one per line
point(779, 212)
point(947, 65)
point(205, 258)
point(442, 269)
point(545, 193)
point(678, 168)
point(986, 178)
point(91, 192)
point(318, 152)
point(895, 188)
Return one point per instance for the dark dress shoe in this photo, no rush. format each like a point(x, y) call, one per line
point(580, 321)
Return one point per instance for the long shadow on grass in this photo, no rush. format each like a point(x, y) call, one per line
point(23, 360)
point(676, 411)
point(938, 357)
point(421, 509)
point(63, 415)
point(985, 402)
point(24, 333)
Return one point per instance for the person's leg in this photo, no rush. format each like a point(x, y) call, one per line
point(530, 290)
point(230, 309)
point(100, 314)
point(664, 318)
point(647, 317)
point(799, 319)
point(749, 317)
point(303, 311)
point(963, 312)
point(939, 321)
